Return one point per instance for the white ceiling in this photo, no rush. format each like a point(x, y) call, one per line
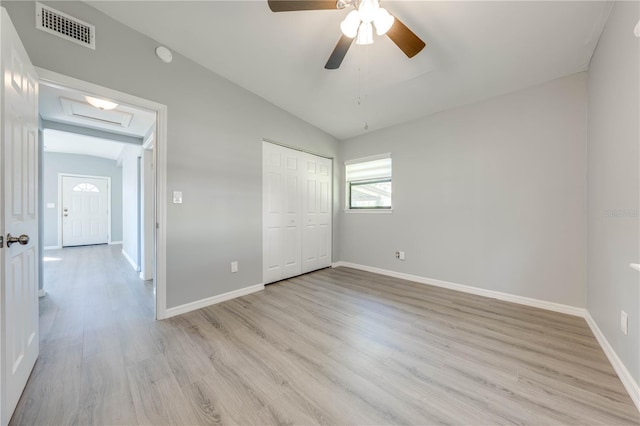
point(475, 50)
point(52, 102)
point(72, 143)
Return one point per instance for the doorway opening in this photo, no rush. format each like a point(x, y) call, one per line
point(102, 180)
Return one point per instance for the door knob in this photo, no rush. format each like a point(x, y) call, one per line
point(22, 240)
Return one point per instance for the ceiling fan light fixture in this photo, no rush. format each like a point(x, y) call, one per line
point(349, 26)
point(365, 34)
point(383, 21)
point(368, 9)
point(101, 103)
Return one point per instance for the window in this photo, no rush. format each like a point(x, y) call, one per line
point(85, 187)
point(369, 183)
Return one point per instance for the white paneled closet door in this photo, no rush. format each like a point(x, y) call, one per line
point(281, 213)
point(296, 212)
point(316, 208)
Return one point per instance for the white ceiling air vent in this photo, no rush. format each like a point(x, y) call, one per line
point(65, 26)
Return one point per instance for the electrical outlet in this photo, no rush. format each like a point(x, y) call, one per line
point(234, 266)
point(624, 323)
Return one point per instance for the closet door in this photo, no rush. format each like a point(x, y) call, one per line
point(324, 216)
point(296, 208)
point(316, 213)
point(292, 214)
point(272, 182)
point(281, 204)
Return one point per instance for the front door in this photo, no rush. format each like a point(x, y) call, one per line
point(19, 344)
point(85, 210)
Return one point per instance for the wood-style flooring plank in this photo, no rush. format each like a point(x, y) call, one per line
point(337, 346)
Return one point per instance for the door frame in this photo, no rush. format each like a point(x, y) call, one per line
point(60, 199)
point(160, 162)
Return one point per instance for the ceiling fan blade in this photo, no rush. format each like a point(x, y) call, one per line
point(294, 5)
point(405, 39)
point(339, 53)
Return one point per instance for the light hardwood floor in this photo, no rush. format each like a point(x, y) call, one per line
point(337, 346)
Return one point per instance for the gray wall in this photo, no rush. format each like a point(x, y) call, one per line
point(490, 195)
point(215, 131)
point(614, 183)
point(54, 163)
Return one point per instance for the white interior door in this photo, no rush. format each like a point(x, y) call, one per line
point(292, 214)
point(297, 206)
point(316, 209)
point(281, 212)
point(324, 212)
point(19, 342)
point(85, 210)
point(147, 211)
point(310, 215)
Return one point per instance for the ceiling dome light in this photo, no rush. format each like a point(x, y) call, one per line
point(383, 21)
point(365, 34)
point(101, 103)
point(350, 24)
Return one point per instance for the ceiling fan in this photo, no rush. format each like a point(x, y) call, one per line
point(357, 25)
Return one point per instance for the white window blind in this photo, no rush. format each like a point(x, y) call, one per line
point(368, 170)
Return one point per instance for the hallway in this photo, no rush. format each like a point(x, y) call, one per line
point(94, 298)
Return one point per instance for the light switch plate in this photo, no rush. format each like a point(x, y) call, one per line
point(234, 266)
point(177, 197)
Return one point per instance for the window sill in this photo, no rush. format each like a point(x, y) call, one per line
point(369, 211)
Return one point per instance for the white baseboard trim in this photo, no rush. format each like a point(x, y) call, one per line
point(536, 303)
point(41, 292)
point(625, 376)
point(130, 259)
point(203, 303)
point(113, 243)
point(143, 277)
point(51, 248)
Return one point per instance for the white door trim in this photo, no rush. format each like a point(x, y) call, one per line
point(60, 176)
point(160, 272)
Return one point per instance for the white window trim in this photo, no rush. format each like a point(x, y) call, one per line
point(369, 211)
